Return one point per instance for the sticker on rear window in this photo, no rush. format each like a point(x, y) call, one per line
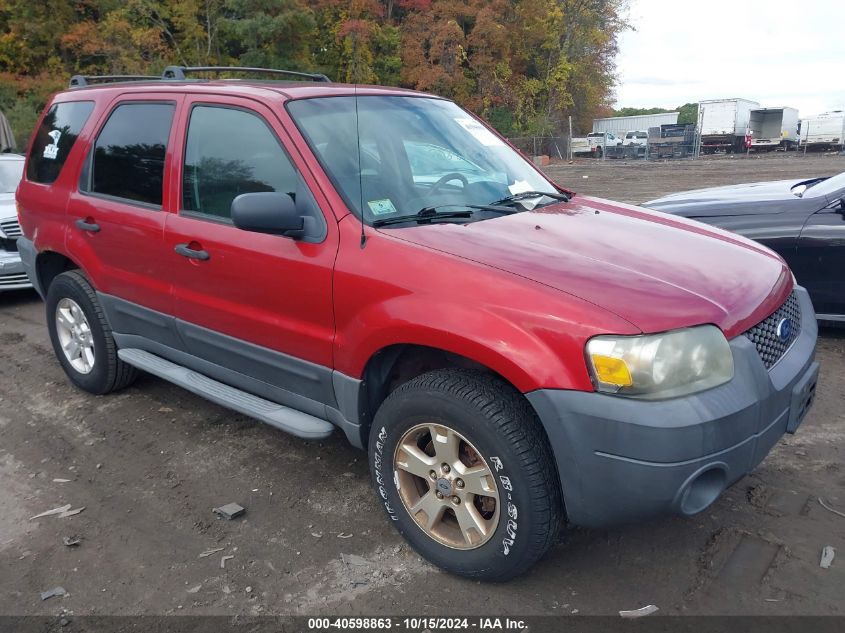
point(52, 151)
point(381, 207)
point(480, 132)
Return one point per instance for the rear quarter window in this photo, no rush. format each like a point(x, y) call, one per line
point(55, 138)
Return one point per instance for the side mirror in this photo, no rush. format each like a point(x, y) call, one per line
point(268, 212)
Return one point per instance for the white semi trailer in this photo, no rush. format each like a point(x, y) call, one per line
point(724, 123)
point(774, 128)
point(621, 125)
point(824, 131)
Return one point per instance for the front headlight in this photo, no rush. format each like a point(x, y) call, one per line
point(665, 365)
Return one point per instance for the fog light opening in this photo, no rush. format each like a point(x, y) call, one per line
point(702, 491)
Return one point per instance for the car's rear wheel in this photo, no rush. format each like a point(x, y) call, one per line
point(463, 468)
point(81, 337)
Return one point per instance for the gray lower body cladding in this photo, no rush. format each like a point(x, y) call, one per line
point(622, 459)
point(313, 389)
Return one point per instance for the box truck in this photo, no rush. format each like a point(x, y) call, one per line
point(824, 131)
point(724, 124)
point(774, 129)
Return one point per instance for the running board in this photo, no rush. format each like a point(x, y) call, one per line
point(276, 415)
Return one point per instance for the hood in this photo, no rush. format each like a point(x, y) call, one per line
point(755, 197)
point(656, 271)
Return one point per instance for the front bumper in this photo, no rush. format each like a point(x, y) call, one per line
point(12, 273)
point(622, 459)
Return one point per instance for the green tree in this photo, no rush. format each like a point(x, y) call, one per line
point(387, 60)
point(269, 33)
point(688, 114)
point(639, 111)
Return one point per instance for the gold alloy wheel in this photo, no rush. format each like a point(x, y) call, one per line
point(446, 486)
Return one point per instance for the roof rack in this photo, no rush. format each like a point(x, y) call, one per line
point(79, 81)
point(179, 72)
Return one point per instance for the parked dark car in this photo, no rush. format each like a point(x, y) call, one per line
point(801, 220)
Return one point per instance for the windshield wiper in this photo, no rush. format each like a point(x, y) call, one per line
point(424, 215)
point(427, 214)
point(525, 195)
point(494, 207)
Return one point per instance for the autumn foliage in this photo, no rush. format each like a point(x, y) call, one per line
point(523, 64)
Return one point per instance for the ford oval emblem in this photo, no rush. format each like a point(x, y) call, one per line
point(784, 329)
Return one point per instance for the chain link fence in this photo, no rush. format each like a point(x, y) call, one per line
point(659, 143)
point(555, 147)
point(666, 142)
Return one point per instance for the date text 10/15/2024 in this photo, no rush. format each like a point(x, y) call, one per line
point(420, 624)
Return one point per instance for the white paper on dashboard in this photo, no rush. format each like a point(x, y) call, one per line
point(519, 186)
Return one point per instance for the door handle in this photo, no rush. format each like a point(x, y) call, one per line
point(185, 251)
point(91, 227)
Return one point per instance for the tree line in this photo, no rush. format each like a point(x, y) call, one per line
point(525, 65)
point(687, 113)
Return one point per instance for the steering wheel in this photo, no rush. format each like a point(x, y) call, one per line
point(447, 178)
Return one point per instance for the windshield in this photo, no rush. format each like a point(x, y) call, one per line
point(833, 186)
point(10, 175)
point(415, 153)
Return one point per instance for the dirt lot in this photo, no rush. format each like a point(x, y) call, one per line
point(640, 181)
point(149, 464)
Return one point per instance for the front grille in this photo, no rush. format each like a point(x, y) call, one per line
point(11, 228)
point(764, 335)
point(14, 279)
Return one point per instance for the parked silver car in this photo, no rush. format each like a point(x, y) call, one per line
point(12, 274)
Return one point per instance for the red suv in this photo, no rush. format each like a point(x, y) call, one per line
point(324, 256)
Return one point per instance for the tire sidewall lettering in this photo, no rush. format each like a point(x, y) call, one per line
point(508, 511)
point(378, 467)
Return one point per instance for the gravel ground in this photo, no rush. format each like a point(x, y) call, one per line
point(639, 181)
point(150, 463)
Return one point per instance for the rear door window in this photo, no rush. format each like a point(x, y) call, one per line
point(55, 138)
point(129, 154)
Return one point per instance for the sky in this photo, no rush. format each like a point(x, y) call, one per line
point(774, 52)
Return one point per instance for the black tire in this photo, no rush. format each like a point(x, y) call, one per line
point(108, 373)
point(500, 424)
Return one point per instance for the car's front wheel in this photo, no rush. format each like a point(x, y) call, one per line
point(463, 469)
point(81, 336)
